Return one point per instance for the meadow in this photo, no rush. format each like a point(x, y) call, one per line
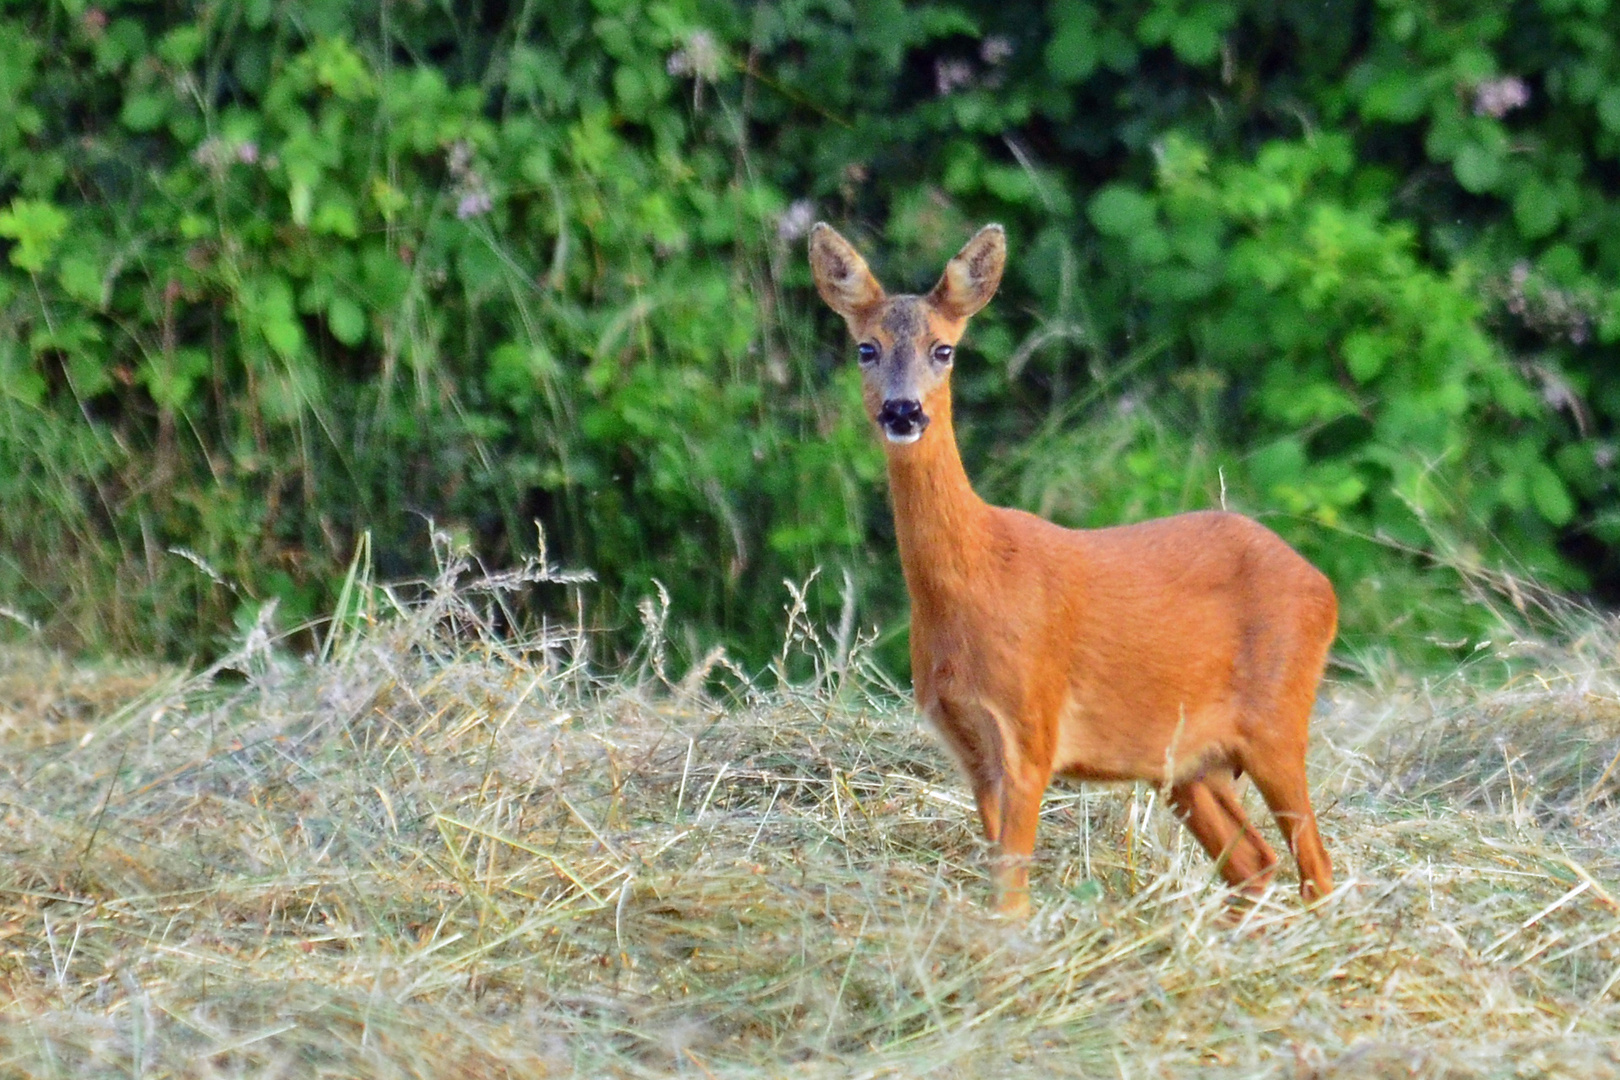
point(429, 847)
point(280, 283)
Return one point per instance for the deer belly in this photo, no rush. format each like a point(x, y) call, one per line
point(1122, 746)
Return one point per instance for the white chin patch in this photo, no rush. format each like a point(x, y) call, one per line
point(903, 440)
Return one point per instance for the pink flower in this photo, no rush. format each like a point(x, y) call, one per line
point(474, 204)
point(795, 222)
point(1498, 97)
point(952, 75)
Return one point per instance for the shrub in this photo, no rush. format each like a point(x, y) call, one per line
point(277, 276)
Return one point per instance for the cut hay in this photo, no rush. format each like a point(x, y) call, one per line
point(431, 851)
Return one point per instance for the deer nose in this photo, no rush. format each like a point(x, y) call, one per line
point(902, 419)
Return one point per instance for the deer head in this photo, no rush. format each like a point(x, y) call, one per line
point(906, 344)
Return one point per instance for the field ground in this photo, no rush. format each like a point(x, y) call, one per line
point(431, 852)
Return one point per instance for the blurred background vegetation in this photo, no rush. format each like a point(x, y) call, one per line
point(276, 274)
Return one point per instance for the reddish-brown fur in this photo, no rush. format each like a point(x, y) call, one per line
point(1185, 651)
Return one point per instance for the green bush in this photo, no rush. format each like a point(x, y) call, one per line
point(278, 275)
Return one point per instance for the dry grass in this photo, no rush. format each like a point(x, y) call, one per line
point(433, 852)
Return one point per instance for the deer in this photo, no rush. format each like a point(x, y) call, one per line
point(1185, 651)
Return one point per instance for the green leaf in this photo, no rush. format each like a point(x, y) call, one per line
point(336, 216)
point(1365, 354)
point(81, 278)
point(388, 199)
point(1156, 25)
point(1551, 498)
point(300, 198)
point(1010, 184)
point(1149, 246)
point(1072, 53)
point(1472, 65)
point(1562, 263)
point(266, 305)
point(1397, 95)
point(170, 379)
point(340, 69)
point(1477, 168)
point(346, 320)
point(1449, 130)
point(386, 278)
point(144, 112)
point(1196, 40)
point(1087, 892)
point(638, 89)
point(481, 266)
point(1121, 210)
point(88, 368)
point(122, 41)
point(1280, 463)
point(1608, 108)
point(18, 379)
point(182, 45)
point(963, 165)
point(36, 225)
point(1536, 208)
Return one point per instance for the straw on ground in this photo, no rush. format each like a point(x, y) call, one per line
point(433, 851)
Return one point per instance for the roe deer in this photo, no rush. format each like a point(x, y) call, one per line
point(1184, 651)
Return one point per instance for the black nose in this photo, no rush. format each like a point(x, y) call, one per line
point(902, 417)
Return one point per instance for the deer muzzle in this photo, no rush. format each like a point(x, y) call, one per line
point(902, 420)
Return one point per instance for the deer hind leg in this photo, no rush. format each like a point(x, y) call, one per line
point(1210, 808)
point(1281, 780)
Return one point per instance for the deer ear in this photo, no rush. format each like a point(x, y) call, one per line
point(842, 276)
point(970, 279)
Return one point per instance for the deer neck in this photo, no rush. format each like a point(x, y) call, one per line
point(939, 521)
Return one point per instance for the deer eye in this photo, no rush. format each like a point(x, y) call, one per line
point(943, 354)
point(867, 352)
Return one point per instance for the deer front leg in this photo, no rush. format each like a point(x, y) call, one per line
point(1020, 812)
point(987, 793)
point(1008, 783)
point(1010, 807)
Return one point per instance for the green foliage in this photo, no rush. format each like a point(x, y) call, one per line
point(36, 227)
point(278, 276)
